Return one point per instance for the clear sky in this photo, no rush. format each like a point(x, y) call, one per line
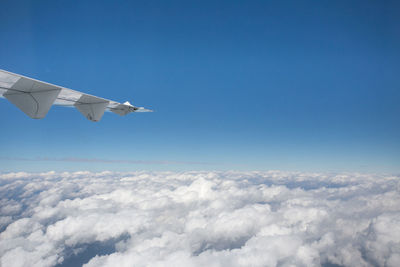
point(243, 85)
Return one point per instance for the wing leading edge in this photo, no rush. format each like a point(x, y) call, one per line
point(35, 98)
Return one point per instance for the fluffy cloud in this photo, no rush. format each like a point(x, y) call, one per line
point(199, 219)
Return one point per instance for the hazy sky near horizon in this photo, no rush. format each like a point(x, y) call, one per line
point(247, 85)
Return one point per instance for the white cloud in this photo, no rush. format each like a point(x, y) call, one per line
point(199, 219)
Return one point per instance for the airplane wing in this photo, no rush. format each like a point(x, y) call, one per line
point(35, 98)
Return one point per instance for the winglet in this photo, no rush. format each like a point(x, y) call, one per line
point(125, 108)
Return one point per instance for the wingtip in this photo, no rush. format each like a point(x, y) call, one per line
point(141, 109)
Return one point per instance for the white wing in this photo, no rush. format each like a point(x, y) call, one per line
point(35, 98)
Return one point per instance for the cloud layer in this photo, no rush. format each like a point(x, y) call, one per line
point(199, 219)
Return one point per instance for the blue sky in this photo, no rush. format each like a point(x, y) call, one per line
point(243, 85)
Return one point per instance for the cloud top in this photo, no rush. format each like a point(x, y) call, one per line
point(199, 219)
